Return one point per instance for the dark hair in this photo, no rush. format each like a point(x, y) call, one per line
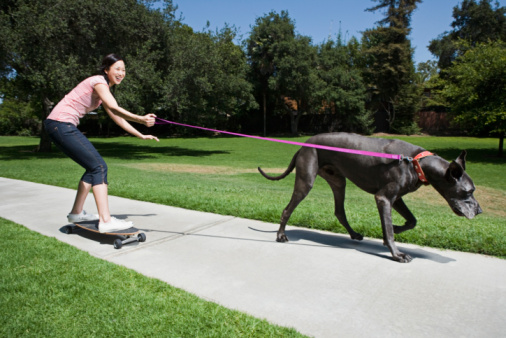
point(107, 62)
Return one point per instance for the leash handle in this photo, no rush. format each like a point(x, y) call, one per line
point(309, 145)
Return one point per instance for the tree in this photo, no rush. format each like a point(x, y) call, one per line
point(424, 78)
point(389, 68)
point(234, 93)
point(48, 46)
point(475, 88)
point(473, 22)
point(295, 76)
point(207, 77)
point(17, 118)
point(426, 70)
point(270, 35)
point(342, 91)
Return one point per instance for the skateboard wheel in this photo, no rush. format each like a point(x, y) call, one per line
point(142, 237)
point(68, 229)
point(117, 243)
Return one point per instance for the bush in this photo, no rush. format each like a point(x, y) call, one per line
point(18, 118)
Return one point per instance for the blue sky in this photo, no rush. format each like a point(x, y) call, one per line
point(320, 19)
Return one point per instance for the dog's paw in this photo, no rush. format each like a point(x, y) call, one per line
point(282, 238)
point(356, 236)
point(403, 258)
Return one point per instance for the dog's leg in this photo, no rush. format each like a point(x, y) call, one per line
point(403, 210)
point(301, 190)
point(305, 175)
point(338, 186)
point(385, 210)
point(298, 195)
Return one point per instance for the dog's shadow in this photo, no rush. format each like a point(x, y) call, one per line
point(370, 247)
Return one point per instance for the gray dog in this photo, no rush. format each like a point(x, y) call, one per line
point(388, 180)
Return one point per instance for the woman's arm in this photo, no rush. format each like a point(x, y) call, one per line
point(128, 127)
point(120, 115)
point(110, 103)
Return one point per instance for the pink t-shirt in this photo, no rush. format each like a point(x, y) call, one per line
point(80, 101)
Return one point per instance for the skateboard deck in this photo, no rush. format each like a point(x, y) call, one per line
point(130, 235)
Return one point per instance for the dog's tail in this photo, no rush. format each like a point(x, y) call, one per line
point(283, 175)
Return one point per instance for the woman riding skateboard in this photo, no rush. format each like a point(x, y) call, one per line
point(61, 125)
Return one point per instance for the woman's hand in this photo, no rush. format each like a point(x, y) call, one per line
point(149, 137)
point(149, 120)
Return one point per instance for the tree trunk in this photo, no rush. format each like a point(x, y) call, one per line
point(294, 120)
point(45, 141)
point(265, 114)
point(501, 145)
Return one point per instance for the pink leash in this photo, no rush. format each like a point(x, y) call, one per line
point(317, 146)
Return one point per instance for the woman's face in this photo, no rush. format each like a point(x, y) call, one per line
point(116, 73)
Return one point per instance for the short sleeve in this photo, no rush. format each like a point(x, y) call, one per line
point(96, 80)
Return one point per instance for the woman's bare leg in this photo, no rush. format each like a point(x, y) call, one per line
point(102, 201)
point(83, 189)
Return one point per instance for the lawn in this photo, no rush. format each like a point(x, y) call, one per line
point(218, 174)
point(51, 289)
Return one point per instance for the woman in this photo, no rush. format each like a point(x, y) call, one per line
point(61, 126)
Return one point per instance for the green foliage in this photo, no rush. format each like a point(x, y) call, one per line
point(269, 37)
point(425, 76)
point(397, 12)
point(324, 79)
point(269, 42)
point(425, 71)
point(17, 115)
point(18, 118)
point(51, 45)
point(471, 57)
point(475, 87)
point(207, 78)
point(48, 46)
point(295, 76)
point(341, 89)
point(474, 22)
point(389, 69)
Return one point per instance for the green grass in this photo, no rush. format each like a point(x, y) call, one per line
point(182, 172)
point(51, 289)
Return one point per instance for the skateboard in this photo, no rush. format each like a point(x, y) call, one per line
point(127, 236)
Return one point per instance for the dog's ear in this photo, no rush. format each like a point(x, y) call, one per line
point(454, 172)
point(462, 159)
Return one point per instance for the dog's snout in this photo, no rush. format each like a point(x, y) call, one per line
point(478, 210)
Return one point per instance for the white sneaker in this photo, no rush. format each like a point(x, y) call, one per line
point(114, 225)
point(83, 216)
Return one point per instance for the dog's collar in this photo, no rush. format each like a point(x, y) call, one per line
point(418, 167)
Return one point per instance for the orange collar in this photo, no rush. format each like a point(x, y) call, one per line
point(418, 168)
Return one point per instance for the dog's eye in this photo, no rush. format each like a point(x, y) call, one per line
point(468, 192)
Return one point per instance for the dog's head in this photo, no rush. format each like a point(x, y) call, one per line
point(455, 185)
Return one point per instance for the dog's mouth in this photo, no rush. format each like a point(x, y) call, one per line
point(458, 212)
point(469, 214)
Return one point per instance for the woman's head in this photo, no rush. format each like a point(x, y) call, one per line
point(113, 69)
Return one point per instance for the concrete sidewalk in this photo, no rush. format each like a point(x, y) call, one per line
point(322, 284)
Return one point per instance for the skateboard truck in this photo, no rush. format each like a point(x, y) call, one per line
point(118, 243)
